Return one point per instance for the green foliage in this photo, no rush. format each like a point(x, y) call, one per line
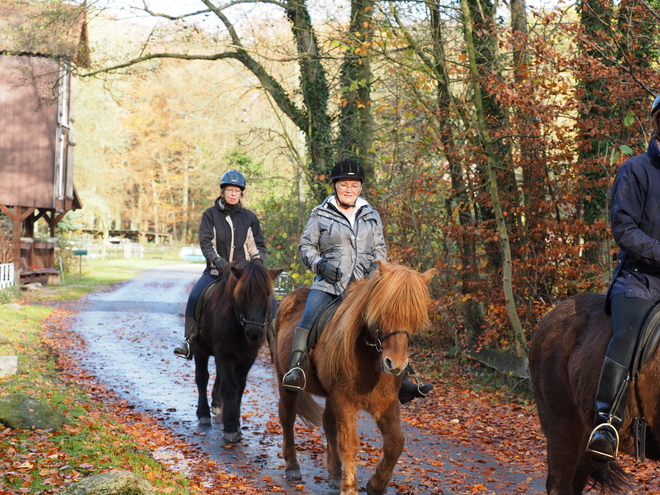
point(92, 442)
point(10, 294)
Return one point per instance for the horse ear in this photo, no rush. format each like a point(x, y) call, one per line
point(236, 271)
point(275, 272)
point(428, 275)
point(382, 266)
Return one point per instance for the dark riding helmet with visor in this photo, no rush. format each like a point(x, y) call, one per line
point(347, 169)
point(233, 178)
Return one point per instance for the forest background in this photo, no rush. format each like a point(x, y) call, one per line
point(490, 132)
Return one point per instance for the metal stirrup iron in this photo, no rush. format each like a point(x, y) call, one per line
point(604, 426)
point(290, 387)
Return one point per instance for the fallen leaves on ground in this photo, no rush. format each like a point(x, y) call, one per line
point(498, 425)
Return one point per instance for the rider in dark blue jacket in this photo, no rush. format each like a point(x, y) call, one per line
point(635, 285)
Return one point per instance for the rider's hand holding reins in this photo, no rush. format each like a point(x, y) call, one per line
point(220, 263)
point(329, 271)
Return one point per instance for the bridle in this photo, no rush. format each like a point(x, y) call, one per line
point(243, 321)
point(379, 340)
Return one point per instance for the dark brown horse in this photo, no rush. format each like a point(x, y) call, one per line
point(232, 330)
point(356, 365)
point(565, 359)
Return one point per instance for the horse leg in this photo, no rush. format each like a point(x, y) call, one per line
point(202, 381)
point(332, 456)
point(287, 413)
point(562, 428)
point(216, 399)
point(349, 444)
point(231, 390)
point(389, 425)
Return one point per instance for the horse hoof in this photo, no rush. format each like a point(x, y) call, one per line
point(372, 491)
point(293, 474)
point(334, 483)
point(205, 421)
point(232, 437)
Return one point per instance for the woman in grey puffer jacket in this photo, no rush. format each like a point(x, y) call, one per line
point(342, 242)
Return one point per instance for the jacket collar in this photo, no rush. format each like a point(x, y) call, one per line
point(225, 208)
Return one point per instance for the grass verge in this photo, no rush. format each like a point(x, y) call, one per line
point(94, 440)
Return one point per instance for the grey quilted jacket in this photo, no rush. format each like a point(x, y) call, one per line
point(329, 235)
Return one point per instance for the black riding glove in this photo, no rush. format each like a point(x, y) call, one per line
point(329, 271)
point(220, 263)
point(258, 260)
point(372, 268)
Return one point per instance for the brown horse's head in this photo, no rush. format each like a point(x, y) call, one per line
point(387, 309)
point(250, 291)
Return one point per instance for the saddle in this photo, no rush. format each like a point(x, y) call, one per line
point(647, 342)
point(204, 299)
point(319, 324)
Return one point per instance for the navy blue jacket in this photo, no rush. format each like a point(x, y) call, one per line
point(635, 219)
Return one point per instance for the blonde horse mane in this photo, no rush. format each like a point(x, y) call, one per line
point(395, 294)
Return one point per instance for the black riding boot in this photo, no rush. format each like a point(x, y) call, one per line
point(610, 406)
point(409, 390)
point(295, 380)
point(183, 349)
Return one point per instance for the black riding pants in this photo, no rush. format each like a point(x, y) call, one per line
point(628, 317)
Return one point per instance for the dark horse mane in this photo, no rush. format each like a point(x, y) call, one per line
point(397, 294)
point(243, 284)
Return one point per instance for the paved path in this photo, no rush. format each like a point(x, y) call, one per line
point(130, 333)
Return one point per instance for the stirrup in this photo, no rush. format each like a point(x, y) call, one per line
point(604, 426)
point(294, 388)
point(183, 350)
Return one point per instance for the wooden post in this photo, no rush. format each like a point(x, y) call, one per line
point(16, 214)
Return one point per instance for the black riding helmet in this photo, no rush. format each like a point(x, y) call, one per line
point(233, 178)
point(347, 169)
point(655, 106)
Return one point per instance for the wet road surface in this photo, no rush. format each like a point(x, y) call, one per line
point(130, 333)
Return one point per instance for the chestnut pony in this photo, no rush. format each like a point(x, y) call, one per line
point(357, 364)
point(565, 359)
point(232, 330)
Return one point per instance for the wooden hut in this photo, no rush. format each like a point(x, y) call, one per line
point(39, 45)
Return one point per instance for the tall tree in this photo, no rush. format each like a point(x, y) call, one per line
point(493, 159)
point(307, 104)
point(356, 129)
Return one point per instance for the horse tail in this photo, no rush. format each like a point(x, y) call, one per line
point(310, 411)
point(611, 478)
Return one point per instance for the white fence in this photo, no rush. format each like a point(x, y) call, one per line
point(6, 275)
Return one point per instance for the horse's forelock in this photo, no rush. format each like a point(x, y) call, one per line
point(255, 284)
point(400, 297)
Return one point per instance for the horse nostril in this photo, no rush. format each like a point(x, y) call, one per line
point(253, 335)
point(387, 365)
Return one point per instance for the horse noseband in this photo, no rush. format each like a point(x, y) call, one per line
point(243, 321)
point(379, 341)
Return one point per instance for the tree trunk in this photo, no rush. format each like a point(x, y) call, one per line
point(356, 127)
point(491, 161)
